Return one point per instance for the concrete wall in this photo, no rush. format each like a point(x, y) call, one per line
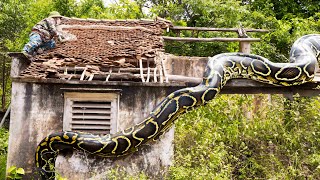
point(37, 110)
point(186, 66)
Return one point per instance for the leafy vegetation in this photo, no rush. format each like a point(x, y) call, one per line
point(4, 135)
point(231, 139)
point(15, 173)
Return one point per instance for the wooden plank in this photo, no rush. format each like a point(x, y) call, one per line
point(20, 56)
point(88, 101)
point(244, 47)
point(96, 97)
point(96, 132)
point(92, 105)
point(114, 115)
point(103, 27)
point(106, 122)
point(216, 29)
point(98, 111)
point(220, 39)
point(184, 78)
point(84, 117)
point(90, 127)
point(108, 90)
point(80, 69)
point(100, 76)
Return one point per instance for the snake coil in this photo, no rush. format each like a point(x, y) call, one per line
point(304, 55)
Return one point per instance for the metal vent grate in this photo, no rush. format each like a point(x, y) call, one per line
point(95, 113)
point(91, 116)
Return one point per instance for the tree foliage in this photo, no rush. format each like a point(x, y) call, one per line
point(286, 8)
point(218, 140)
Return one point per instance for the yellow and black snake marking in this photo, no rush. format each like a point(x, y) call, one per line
point(220, 68)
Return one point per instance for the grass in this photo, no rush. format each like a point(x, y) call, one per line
point(4, 135)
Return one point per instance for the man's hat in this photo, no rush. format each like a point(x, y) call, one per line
point(54, 14)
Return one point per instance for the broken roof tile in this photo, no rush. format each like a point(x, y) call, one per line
point(102, 44)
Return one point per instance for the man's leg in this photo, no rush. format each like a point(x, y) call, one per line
point(48, 45)
point(34, 42)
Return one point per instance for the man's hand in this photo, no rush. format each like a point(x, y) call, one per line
point(61, 38)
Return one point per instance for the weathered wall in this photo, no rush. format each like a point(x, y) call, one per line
point(37, 110)
point(186, 66)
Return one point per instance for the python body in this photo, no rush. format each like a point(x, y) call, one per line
point(220, 68)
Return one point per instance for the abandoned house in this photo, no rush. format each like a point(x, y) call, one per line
point(106, 77)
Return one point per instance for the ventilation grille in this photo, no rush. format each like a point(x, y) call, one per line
point(91, 116)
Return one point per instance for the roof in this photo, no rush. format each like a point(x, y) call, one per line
point(95, 49)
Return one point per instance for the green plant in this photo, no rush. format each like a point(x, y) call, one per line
point(119, 173)
point(231, 138)
point(3, 163)
point(4, 135)
point(15, 173)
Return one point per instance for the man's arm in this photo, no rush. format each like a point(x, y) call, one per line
point(52, 27)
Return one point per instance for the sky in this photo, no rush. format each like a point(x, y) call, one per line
point(107, 2)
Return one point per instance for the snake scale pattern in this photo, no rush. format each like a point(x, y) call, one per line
point(304, 56)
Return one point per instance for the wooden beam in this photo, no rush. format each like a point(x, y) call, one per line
point(216, 29)
point(220, 39)
point(80, 69)
point(244, 47)
point(181, 78)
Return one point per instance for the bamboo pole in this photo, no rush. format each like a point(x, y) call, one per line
point(211, 39)
point(5, 115)
point(216, 29)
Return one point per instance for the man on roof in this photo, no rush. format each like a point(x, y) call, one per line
point(42, 35)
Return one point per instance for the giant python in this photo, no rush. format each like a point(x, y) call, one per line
point(303, 64)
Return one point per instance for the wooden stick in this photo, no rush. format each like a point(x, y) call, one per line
point(179, 78)
point(83, 74)
point(155, 75)
point(70, 77)
point(75, 69)
point(160, 67)
point(220, 39)
point(217, 29)
point(114, 76)
point(141, 71)
point(164, 69)
point(148, 75)
point(148, 71)
point(91, 77)
point(65, 71)
point(110, 71)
